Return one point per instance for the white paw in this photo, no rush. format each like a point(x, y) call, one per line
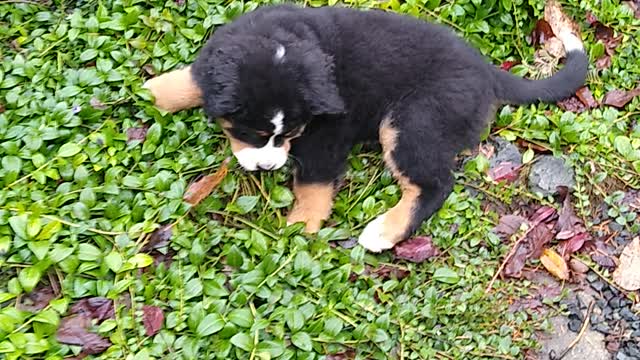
point(373, 237)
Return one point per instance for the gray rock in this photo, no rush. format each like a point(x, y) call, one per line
point(548, 173)
point(591, 344)
point(505, 152)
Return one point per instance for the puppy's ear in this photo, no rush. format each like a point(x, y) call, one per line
point(320, 89)
point(216, 72)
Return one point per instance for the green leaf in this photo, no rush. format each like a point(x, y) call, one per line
point(210, 324)
point(69, 149)
point(234, 257)
point(241, 317)
point(281, 197)
point(140, 260)
point(244, 204)
point(273, 348)
point(39, 248)
point(88, 54)
point(242, 341)
point(154, 133)
point(446, 275)
point(302, 340)
point(88, 252)
point(294, 319)
point(29, 278)
point(49, 230)
point(527, 156)
point(19, 225)
point(114, 261)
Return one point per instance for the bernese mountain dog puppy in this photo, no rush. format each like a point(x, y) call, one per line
point(309, 83)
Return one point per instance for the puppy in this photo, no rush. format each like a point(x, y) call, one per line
point(309, 83)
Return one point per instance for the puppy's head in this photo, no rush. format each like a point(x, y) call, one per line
point(265, 93)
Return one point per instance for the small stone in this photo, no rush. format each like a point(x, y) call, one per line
point(636, 325)
point(602, 328)
point(602, 304)
point(548, 173)
point(505, 152)
point(622, 356)
point(614, 226)
point(633, 351)
point(628, 315)
point(616, 316)
point(636, 334)
point(574, 325)
point(615, 302)
point(595, 319)
point(607, 294)
point(592, 277)
point(598, 285)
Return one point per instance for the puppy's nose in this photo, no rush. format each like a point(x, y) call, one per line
point(266, 166)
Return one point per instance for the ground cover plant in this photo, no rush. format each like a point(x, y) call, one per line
point(125, 233)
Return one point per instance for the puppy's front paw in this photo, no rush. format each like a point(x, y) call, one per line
point(375, 237)
point(311, 226)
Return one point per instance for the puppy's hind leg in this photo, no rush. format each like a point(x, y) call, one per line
point(423, 176)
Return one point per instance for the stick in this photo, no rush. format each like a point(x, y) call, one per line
point(552, 353)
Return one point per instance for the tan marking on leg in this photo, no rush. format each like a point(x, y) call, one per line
point(175, 90)
point(391, 227)
point(398, 218)
point(312, 205)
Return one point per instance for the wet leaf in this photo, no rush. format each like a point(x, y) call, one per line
point(74, 331)
point(36, 300)
point(417, 249)
point(555, 264)
point(620, 98)
point(136, 134)
point(446, 275)
point(505, 171)
point(388, 272)
point(159, 238)
point(586, 97)
point(627, 274)
point(541, 33)
point(509, 224)
point(604, 260)
point(152, 318)
point(302, 340)
point(575, 243)
point(572, 104)
point(210, 324)
point(97, 308)
point(199, 190)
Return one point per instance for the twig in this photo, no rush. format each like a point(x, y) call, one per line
point(552, 354)
point(509, 255)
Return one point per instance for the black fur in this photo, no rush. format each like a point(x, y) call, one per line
point(345, 70)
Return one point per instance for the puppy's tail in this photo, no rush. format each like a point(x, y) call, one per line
point(559, 86)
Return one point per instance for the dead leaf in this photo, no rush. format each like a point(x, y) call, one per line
point(345, 355)
point(159, 238)
point(538, 238)
point(509, 224)
point(568, 224)
point(200, 189)
point(603, 62)
point(627, 274)
point(505, 171)
point(541, 33)
point(73, 330)
point(507, 65)
point(575, 243)
point(514, 266)
point(543, 214)
point(572, 104)
point(97, 104)
point(417, 249)
point(578, 266)
point(586, 97)
point(152, 318)
point(558, 21)
point(37, 299)
point(620, 98)
point(555, 264)
point(148, 68)
point(348, 243)
point(604, 260)
point(387, 272)
point(97, 308)
point(137, 133)
point(487, 150)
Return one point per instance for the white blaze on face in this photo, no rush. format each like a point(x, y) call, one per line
point(268, 157)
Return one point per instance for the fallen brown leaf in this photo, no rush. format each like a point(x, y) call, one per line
point(388, 272)
point(37, 299)
point(586, 97)
point(152, 319)
point(159, 238)
point(555, 264)
point(604, 260)
point(603, 62)
point(627, 274)
point(578, 266)
point(558, 21)
point(509, 224)
point(505, 171)
point(137, 134)
point(572, 104)
point(97, 308)
point(73, 330)
point(417, 249)
point(200, 189)
point(620, 98)
point(541, 33)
